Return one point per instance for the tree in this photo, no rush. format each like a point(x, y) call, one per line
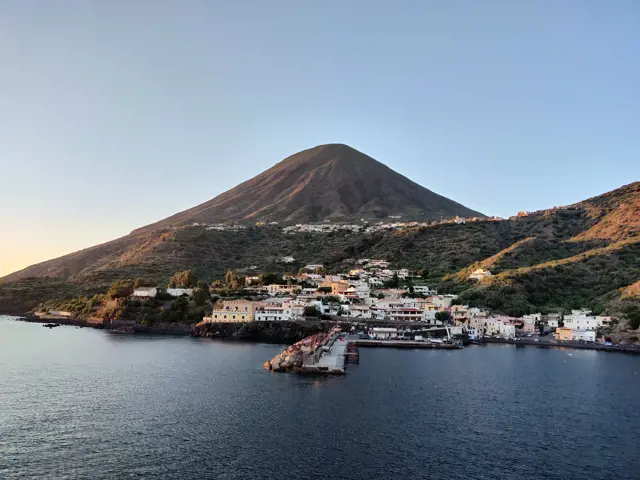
point(217, 284)
point(444, 316)
point(231, 280)
point(320, 271)
point(269, 278)
point(200, 296)
point(186, 279)
point(144, 282)
point(394, 282)
point(311, 311)
point(203, 285)
point(324, 289)
point(120, 289)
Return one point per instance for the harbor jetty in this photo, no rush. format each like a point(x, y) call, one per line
point(409, 344)
point(322, 353)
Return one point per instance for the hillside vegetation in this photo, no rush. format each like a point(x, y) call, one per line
point(586, 255)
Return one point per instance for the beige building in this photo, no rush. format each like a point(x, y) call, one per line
point(275, 289)
point(233, 311)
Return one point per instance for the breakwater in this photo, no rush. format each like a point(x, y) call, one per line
point(324, 353)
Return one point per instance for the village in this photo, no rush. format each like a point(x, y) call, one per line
point(371, 294)
point(392, 223)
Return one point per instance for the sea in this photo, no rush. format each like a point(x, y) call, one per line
point(78, 403)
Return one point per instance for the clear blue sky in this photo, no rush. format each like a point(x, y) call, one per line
point(115, 114)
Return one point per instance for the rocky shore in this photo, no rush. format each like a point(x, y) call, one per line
point(268, 332)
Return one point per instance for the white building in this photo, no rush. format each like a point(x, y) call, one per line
point(402, 273)
point(429, 317)
point(533, 318)
point(287, 259)
point(358, 311)
point(384, 333)
point(507, 331)
point(580, 320)
point(145, 292)
point(441, 301)
point(584, 335)
point(178, 292)
point(479, 274)
point(424, 290)
point(271, 313)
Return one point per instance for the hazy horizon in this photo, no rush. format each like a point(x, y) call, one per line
point(116, 115)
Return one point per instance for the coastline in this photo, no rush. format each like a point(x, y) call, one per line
point(631, 349)
point(264, 332)
point(279, 333)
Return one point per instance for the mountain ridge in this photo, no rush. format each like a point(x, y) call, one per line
point(331, 182)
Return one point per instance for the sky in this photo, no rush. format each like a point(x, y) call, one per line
point(115, 114)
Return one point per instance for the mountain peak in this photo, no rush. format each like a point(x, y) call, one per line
point(330, 182)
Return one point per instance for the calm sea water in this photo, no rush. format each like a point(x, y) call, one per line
point(81, 403)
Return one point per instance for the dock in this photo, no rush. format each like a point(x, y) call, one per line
point(323, 353)
point(328, 353)
point(407, 344)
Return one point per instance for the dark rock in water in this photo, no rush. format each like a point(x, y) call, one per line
point(51, 325)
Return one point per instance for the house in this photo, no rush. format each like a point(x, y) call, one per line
point(460, 313)
point(313, 267)
point(178, 292)
point(402, 273)
point(235, 311)
point(564, 334)
point(337, 287)
point(584, 335)
point(375, 282)
point(293, 309)
point(429, 317)
point(271, 313)
point(581, 320)
point(479, 274)
point(145, 292)
point(287, 259)
point(275, 289)
point(441, 301)
point(358, 311)
point(529, 328)
point(533, 318)
point(424, 290)
point(314, 278)
point(507, 331)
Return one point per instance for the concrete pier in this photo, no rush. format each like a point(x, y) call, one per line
point(407, 344)
point(331, 358)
